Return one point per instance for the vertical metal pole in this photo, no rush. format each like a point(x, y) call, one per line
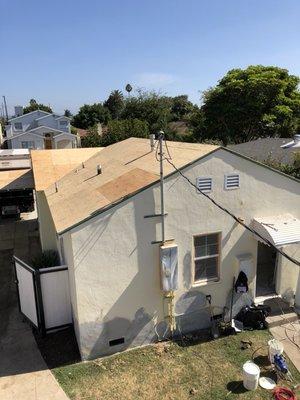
point(5, 106)
point(162, 205)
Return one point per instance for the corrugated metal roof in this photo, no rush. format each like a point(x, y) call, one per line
point(280, 230)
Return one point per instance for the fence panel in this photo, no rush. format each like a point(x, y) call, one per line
point(56, 297)
point(26, 291)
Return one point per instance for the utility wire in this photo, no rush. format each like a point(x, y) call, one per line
point(238, 220)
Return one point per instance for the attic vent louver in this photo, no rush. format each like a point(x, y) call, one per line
point(232, 181)
point(204, 184)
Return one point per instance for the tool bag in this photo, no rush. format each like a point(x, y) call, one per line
point(253, 317)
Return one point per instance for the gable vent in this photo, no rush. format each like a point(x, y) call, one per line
point(232, 181)
point(204, 184)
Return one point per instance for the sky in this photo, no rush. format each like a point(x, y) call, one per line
point(67, 53)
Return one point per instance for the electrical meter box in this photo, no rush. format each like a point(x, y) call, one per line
point(169, 267)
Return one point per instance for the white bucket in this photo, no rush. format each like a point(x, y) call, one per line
point(275, 347)
point(251, 374)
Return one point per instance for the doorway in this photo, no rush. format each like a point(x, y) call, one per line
point(47, 141)
point(266, 270)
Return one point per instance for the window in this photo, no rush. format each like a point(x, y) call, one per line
point(27, 145)
point(63, 123)
point(18, 126)
point(204, 184)
point(207, 257)
point(232, 181)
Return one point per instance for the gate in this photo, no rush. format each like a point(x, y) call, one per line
point(43, 296)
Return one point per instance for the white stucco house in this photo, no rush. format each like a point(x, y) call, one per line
point(100, 217)
point(39, 130)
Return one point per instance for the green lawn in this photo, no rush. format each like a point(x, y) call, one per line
point(210, 370)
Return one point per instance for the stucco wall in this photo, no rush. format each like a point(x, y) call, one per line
point(287, 275)
point(116, 268)
point(46, 226)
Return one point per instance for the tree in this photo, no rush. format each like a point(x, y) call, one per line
point(90, 114)
point(34, 105)
point(181, 107)
point(117, 130)
point(246, 104)
point(115, 104)
point(151, 107)
point(67, 113)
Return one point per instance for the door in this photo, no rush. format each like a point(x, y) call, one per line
point(48, 141)
point(266, 270)
point(27, 292)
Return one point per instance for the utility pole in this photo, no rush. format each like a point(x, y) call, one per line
point(5, 107)
point(161, 136)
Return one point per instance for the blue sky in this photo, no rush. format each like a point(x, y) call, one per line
point(66, 53)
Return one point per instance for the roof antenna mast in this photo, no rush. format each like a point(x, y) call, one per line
point(161, 136)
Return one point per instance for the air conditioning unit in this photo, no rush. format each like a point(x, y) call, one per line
point(169, 267)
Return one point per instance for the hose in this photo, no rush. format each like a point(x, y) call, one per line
point(281, 393)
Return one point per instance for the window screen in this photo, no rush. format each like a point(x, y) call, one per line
point(206, 257)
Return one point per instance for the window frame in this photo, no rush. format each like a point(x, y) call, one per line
point(218, 255)
point(63, 122)
point(28, 147)
point(229, 175)
point(18, 129)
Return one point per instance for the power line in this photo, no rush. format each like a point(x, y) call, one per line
point(238, 220)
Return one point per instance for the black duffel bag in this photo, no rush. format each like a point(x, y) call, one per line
point(253, 317)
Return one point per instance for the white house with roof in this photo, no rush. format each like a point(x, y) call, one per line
point(103, 217)
point(39, 130)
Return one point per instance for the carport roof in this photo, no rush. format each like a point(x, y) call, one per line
point(51, 165)
point(127, 167)
point(16, 179)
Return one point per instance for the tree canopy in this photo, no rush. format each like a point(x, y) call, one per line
point(34, 105)
point(246, 104)
point(115, 103)
point(90, 115)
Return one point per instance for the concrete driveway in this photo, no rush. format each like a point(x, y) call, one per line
point(23, 372)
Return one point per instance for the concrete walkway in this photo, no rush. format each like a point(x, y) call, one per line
point(23, 372)
point(289, 335)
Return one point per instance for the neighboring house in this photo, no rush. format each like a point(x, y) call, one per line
point(266, 149)
point(98, 217)
point(39, 130)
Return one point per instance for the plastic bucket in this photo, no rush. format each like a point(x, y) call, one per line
point(251, 374)
point(275, 347)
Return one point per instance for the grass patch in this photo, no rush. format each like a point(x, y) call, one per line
point(168, 371)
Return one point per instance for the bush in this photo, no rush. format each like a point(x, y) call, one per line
point(47, 259)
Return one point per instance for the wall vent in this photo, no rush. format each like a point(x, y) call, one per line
point(115, 342)
point(204, 184)
point(232, 181)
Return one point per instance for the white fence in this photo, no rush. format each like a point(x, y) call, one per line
point(56, 297)
point(43, 294)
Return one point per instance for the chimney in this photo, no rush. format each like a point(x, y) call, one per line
point(18, 111)
point(99, 169)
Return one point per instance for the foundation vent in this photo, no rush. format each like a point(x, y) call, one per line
point(115, 342)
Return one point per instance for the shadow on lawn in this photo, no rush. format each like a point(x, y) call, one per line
point(236, 387)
